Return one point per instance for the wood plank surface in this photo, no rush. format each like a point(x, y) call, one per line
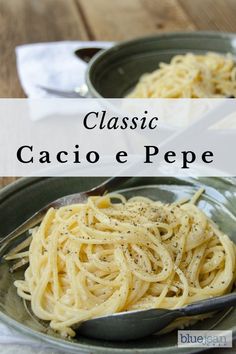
point(28, 21)
point(168, 16)
point(211, 15)
point(126, 19)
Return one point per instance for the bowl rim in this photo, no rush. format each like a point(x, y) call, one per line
point(57, 342)
point(121, 44)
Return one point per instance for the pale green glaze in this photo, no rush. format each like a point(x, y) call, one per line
point(21, 199)
point(115, 71)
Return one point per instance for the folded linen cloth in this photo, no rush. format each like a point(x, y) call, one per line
point(52, 65)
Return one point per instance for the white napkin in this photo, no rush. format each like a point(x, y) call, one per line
point(52, 65)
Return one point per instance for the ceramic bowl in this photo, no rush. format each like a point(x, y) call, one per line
point(21, 199)
point(113, 73)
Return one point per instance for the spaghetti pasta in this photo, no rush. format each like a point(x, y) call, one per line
point(111, 254)
point(190, 76)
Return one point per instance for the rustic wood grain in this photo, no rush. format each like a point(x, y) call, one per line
point(4, 181)
point(211, 15)
point(125, 19)
point(168, 15)
point(28, 21)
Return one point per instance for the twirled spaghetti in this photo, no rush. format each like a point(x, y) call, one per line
point(112, 254)
point(190, 76)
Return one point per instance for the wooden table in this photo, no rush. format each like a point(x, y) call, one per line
point(28, 21)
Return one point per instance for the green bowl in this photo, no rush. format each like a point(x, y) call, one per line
point(113, 72)
point(21, 199)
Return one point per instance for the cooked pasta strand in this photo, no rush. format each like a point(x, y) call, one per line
point(101, 257)
point(190, 76)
